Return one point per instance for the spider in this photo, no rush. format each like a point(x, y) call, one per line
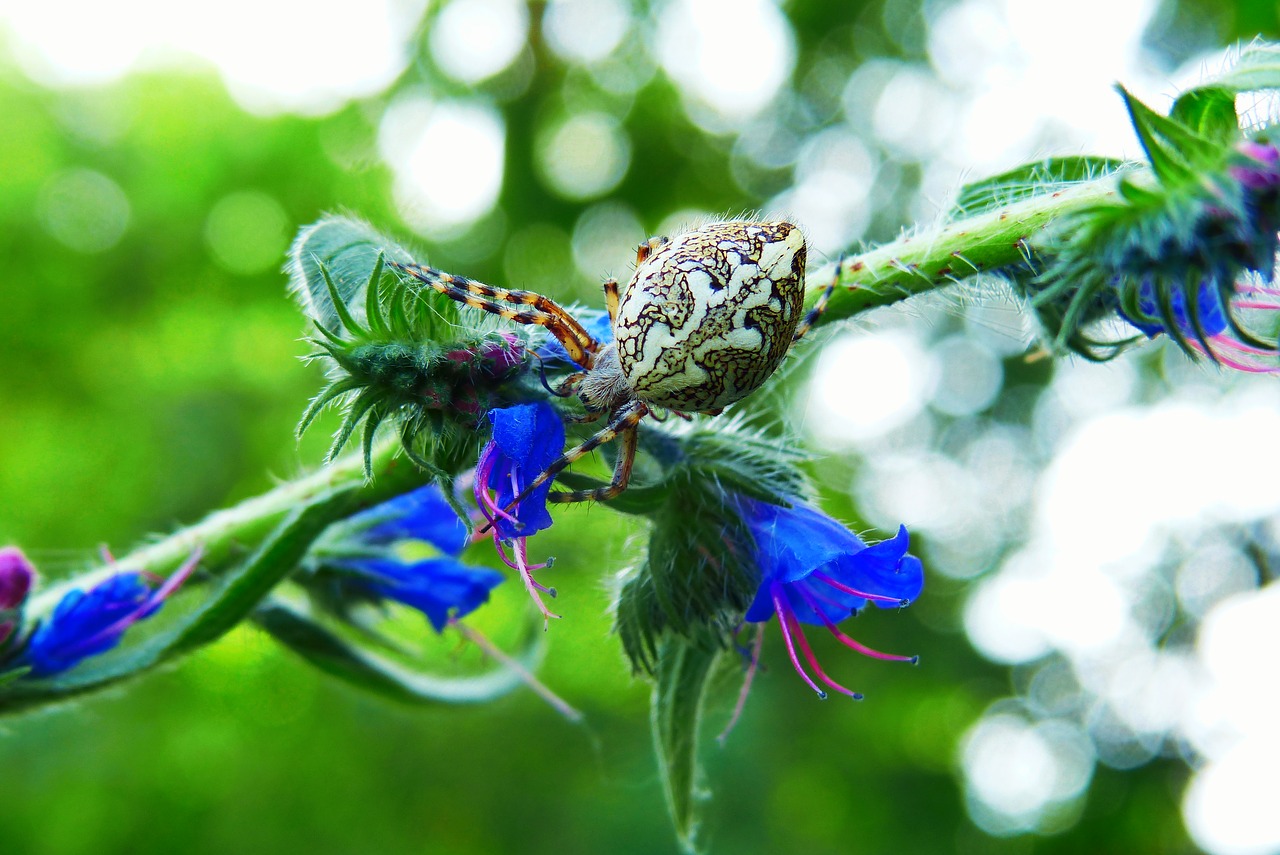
point(706, 319)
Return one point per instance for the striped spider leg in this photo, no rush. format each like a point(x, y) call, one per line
point(522, 307)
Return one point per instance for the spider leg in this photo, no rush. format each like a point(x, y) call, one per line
point(647, 248)
point(624, 421)
point(611, 299)
point(819, 307)
point(543, 311)
point(628, 438)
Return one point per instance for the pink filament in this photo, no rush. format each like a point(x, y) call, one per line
point(784, 612)
point(496, 653)
point(823, 577)
point(1238, 363)
point(754, 665)
point(849, 642)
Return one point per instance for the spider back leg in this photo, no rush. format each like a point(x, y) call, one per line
point(819, 307)
point(542, 311)
point(628, 439)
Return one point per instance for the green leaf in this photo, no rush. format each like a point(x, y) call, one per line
point(1210, 112)
point(1175, 151)
point(684, 671)
point(238, 594)
point(350, 251)
point(1032, 179)
point(230, 600)
point(334, 655)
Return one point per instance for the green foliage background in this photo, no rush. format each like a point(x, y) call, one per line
point(145, 385)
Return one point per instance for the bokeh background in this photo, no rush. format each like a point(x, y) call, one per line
point(1097, 635)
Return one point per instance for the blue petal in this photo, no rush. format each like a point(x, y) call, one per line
point(793, 542)
point(421, 514)
point(597, 326)
point(438, 587)
point(1208, 301)
point(75, 629)
point(527, 438)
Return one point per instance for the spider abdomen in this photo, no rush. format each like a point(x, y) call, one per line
point(709, 315)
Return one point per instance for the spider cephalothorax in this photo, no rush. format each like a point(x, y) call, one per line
point(706, 319)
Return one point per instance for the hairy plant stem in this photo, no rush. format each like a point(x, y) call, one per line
point(952, 251)
point(229, 534)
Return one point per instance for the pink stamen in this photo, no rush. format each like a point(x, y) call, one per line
point(1255, 304)
point(531, 585)
point(499, 655)
point(813, 660)
point(1224, 340)
point(752, 667)
point(1257, 289)
point(1239, 364)
point(784, 611)
point(880, 598)
point(852, 643)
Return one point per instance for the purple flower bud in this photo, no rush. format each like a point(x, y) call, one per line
point(16, 577)
point(1259, 168)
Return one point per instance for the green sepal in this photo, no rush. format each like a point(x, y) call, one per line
point(361, 667)
point(1176, 152)
point(1210, 112)
point(1050, 175)
point(685, 670)
point(228, 602)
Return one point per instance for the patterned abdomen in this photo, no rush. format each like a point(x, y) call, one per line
point(709, 315)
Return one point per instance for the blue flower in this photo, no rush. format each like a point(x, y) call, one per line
point(87, 624)
point(421, 514)
point(440, 588)
point(815, 571)
point(526, 438)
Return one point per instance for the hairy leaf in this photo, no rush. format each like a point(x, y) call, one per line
point(359, 666)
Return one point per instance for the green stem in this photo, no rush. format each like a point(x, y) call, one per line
point(952, 251)
point(229, 534)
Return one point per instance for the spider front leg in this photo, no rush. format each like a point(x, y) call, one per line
point(628, 438)
point(623, 423)
point(611, 299)
point(542, 311)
